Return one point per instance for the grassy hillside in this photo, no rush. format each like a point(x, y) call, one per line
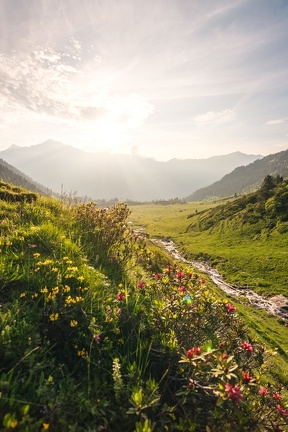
point(101, 331)
point(245, 238)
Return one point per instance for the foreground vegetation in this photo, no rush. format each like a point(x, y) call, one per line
point(101, 331)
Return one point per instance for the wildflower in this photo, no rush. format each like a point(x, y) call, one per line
point(233, 393)
point(36, 254)
point(247, 347)
point(277, 396)
point(263, 391)
point(193, 352)
point(120, 296)
point(80, 278)
point(54, 316)
point(179, 275)
point(202, 281)
point(141, 285)
point(246, 377)
point(22, 295)
point(72, 269)
point(97, 338)
point(182, 288)
point(230, 308)
point(281, 410)
point(73, 323)
point(157, 276)
point(82, 353)
point(45, 426)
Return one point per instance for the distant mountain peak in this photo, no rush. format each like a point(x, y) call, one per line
point(52, 144)
point(13, 147)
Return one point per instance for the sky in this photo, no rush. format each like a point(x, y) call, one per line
point(157, 78)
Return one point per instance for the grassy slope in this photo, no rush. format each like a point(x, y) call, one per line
point(260, 261)
point(257, 260)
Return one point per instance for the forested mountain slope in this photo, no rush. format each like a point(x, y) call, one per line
point(245, 178)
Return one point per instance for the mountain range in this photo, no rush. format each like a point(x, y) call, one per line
point(245, 178)
point(61, 167)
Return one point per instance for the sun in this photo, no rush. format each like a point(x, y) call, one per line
point(107, 134)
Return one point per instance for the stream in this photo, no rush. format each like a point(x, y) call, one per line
point(276, 305)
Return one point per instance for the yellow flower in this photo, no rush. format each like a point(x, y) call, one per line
point(73, 323)
point(66, 288)
point(54, 316)
point(44, 290)
point(22, 295)
point(13, 424)
point(36, 255)
point(47, 262)
point(82, 353)
point(72, 269)
point(80, 278)
point(55, 290)
point(46, 426)
point(34, 295)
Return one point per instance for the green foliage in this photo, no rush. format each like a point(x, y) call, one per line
point(92, 339)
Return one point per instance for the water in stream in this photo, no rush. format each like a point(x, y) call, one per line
point(253, 298)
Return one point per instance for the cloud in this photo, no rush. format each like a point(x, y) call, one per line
point(213, 118)
point(276, 121)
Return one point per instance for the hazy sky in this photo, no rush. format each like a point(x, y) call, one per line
point(161, 78)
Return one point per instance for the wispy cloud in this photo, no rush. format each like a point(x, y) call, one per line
point(213, 118)
point(276, 122)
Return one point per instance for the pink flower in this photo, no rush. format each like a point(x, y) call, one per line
point(157, 276)
point(179, 275)
point(182, 288)
point(230, 308)
point(281, 410)
point(120, 296)
point(246, 377)
point(247, 347)
point(233, 393)
point(263, 391)
point(193, 352)
point(277, 396)
point(202, 281)
point(141, 285)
